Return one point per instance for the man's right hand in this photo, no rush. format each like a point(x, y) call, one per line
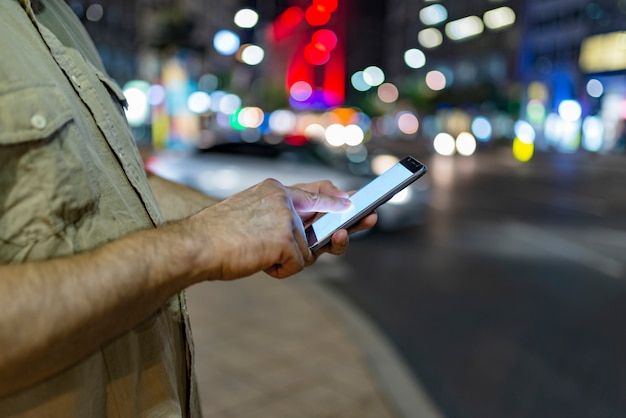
point(257, 229)
point(58, 311)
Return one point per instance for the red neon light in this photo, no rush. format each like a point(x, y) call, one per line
point(334, 77)
point(329, 5)
point(326, 37)
point(317, 57)
point(287, 22)
point(317, 15)
point(299, 69)
point(316, 54)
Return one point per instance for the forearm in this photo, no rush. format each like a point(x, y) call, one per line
point(175, 200)
point(56, 312)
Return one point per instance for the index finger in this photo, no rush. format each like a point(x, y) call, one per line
point(304, 201)
point(324, 187)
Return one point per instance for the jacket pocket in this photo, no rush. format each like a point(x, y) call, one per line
point(45, 180)
point(31, 113)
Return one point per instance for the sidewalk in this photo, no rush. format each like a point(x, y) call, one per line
point(295, 349)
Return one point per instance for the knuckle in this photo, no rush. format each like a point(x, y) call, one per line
point(275, 191)
point(271, 182)
point(314, 198)
point(269, 186)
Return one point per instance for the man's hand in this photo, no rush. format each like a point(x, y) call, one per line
point(58, 311)
point(310, 200)
point(262, 228)
point(339, 241)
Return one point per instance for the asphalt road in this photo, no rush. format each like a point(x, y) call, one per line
point(510, 300)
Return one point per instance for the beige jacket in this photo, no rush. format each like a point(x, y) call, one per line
point(71, 179)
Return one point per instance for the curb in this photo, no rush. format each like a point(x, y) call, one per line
point(406, 395)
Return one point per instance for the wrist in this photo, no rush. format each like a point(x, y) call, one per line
point(191, 253)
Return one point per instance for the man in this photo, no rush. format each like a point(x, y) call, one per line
point(93, 321)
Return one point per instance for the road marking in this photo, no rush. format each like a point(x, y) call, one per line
point(567, 249)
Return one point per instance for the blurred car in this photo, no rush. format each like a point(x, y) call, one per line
point(226, 169)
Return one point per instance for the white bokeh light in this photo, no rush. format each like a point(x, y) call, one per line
point(433, 14)
point(246, 18)
point(464, 28)
point(282, 121)
point(360, 82)
point(252, 54)
point(251, 117)
point(354, 135)
point(383, 162)
point(414, 58)
point(570, 110)
point(430, 38)
point(595, 88)
point(465, 144)
point(499, 18)
point(226, 42)
point(315, 131)
point(374, 76)
point(524, 131)
point(229, 103)
point(593, 134)
point(335, 135)
point(138, 106)
point(199, 102)
point(444, 144)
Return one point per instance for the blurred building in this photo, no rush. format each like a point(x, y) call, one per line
point(550, 63)
point(574, 52)
point(555, 31)
point(113, 26)
point(477, 55)
point(132, 36)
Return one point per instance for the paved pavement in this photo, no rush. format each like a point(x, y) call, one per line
point(295, 348)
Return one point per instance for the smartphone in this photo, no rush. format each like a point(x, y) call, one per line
point(365, 200)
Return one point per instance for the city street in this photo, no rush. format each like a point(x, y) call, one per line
point(509, 300)
point(493, 286)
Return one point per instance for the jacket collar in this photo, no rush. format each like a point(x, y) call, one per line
point(33, 6)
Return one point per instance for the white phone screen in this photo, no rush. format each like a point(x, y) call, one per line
point(371, 192)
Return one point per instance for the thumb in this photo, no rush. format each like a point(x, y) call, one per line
point(304, 201)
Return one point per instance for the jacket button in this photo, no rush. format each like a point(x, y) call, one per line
point(38, 121)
